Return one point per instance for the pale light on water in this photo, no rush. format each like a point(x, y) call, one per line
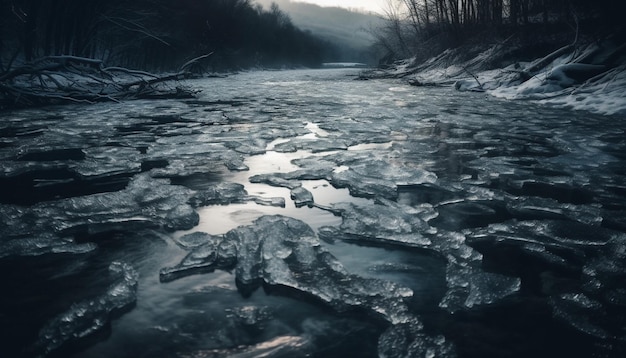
point(481, 207)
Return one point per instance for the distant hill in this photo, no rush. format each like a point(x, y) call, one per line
point(349, 30)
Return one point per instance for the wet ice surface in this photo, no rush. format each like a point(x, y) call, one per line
point(302, 213)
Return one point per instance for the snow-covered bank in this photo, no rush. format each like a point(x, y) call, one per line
point(590, 76)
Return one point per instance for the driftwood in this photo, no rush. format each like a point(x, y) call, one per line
point(480, 85)
point(59, 79)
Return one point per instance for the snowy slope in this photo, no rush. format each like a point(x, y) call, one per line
point(588, 77)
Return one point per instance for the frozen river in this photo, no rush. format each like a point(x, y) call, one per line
point(309, 214)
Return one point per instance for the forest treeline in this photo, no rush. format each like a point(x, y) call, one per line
point(156, 35)
point(424, 28)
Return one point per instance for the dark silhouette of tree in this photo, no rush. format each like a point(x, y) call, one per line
point(430, 25)
point(156, 34)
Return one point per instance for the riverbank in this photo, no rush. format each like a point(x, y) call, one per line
point(582, 75)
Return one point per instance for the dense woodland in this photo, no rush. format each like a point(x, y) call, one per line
point(156, 35)
point(426, 27)
point(57, 51)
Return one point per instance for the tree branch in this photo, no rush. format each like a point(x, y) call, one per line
point(140, 29)
point(56, 79)
point(193, 61)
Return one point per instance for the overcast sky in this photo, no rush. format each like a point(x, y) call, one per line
point(367, 5)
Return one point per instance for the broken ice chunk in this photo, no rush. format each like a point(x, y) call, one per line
point(486, 288)
point(363, 186)
point(460, 214)
point(545, 208)
point(45, 244)
point(249, 255)
point(581, 312)
point(315, 145)
point(85, 318)
point(386, 222)
point(301, 197)
point(195, 239)
point(408, 340)
point(276, 201)
point(598, 309)
point(214, 253)
point(235, 164)
point(284, 252)
point(225, 193)
point(275, 180)
point(375, 177)
point(469, 287)
point(537, 246)
point(220, 194)
point(182, 217)
point(109, 161)
point(146, 202)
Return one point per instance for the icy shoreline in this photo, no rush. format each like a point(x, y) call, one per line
point(590, 76)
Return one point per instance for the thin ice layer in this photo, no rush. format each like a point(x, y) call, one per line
point(385, 222)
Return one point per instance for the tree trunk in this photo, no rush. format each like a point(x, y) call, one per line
point(30, 29)
point(513, 12)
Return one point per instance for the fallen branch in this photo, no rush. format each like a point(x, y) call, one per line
point(129, 71)
point(185, 67)
point(480, 85)
point(155, 80)
point(58, 79)
point(612, 74)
